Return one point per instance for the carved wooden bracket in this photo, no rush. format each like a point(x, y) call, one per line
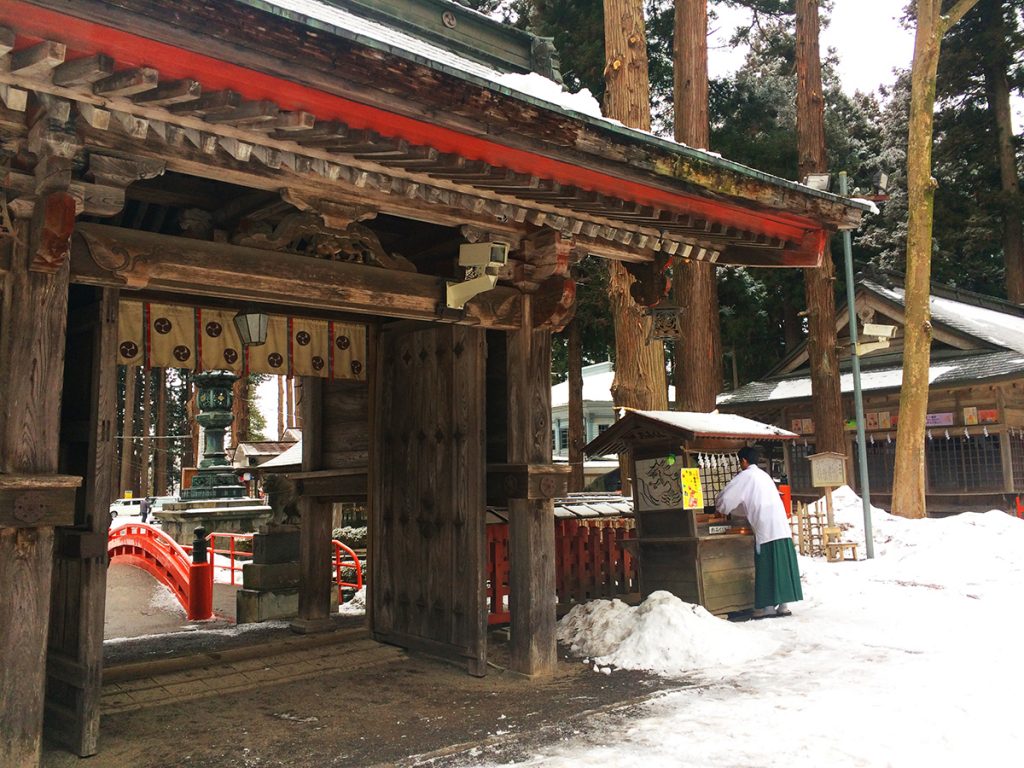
point(554, 303)
point(53, 221)
point(526, 481)
point(651, 284)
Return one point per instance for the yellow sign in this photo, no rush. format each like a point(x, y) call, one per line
point(128, 494)
point(693, 494)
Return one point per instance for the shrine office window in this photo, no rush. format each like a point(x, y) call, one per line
point(799, 466)
point(957, 464)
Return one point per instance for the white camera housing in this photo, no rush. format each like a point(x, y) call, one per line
point(879, 331)
point(488, 255)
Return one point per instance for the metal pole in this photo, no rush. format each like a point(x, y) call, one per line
point(858, 400)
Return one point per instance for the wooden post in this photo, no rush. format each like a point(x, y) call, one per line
point(315, 525)
point(74, 662)
point(577, 425)
point(531, 521)
point(32, 333)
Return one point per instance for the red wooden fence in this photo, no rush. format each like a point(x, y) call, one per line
point(590, 561)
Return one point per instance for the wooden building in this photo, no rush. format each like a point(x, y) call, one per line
point(678, 464)
point(974, 452)
point(325, 163)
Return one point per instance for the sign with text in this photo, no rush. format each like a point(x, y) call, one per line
point(693, 493)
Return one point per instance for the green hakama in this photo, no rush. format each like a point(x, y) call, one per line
point(776, 574)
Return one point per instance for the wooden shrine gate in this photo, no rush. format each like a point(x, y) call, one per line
point(427, 494)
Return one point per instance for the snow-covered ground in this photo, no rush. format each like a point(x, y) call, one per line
point(910, 659)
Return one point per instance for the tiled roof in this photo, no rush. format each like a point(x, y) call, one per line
point(953, 370)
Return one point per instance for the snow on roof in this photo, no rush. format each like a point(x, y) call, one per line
point(597, 386)
point(967, 368)
point(532, 86)
point(717, 424)
point(290, 458)
point(990, 325)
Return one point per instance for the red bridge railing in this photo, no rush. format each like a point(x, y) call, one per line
point(171, 563)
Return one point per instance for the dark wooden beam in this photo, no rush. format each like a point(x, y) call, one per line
point(111, 256)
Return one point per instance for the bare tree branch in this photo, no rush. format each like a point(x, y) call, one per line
point(956, 13)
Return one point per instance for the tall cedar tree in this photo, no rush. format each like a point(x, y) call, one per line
point(639, 367)
point(997, 89)
point(698, 356)
point(909, 477)
point(827, 401)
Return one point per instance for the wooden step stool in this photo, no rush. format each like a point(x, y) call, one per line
point(835, 550)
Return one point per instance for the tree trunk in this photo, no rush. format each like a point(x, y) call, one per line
point(639, 367)
point(193, 413)
point(280, 408)
point(239, 411)
point(628, 88)
point(163, 445)
point(827, 404)
point(908, 478)
point(577, 429)
point(128, 431)
point(997, 88)
point(147, 423)
point(698, 368)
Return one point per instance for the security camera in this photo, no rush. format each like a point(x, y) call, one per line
point(879, 331)
point(493, 255)
point(482, 261)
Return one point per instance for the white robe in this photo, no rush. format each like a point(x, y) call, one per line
point(753, 494)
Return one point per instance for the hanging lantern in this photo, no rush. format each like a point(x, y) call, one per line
point(252, 327)
point(666, 323)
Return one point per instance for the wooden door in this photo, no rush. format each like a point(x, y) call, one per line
point(74, 663)
point(427, 493)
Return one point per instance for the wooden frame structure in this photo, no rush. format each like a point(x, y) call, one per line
point(241, 152)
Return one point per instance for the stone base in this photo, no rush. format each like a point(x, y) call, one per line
point(276, 544)
point(253, 605)
point(270, 576)
point(312, 626)
point(180, 520)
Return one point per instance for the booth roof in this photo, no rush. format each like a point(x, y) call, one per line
point(684, 425)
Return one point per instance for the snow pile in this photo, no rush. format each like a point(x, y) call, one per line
point(356, 606)
point(972, 551)
point(663, 635)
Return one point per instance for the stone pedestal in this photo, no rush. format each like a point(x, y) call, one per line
point(180, 519)
point(270, 583)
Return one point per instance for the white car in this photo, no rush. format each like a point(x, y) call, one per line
point(126, 508)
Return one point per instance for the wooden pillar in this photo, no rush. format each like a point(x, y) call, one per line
point(531, 521)
point(74, 665)
point(32, 332)
point(315, 525)
point(577, 425)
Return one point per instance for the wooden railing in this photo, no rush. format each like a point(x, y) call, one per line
point(591, 561)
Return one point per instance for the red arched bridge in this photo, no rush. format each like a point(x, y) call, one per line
point(173, 564)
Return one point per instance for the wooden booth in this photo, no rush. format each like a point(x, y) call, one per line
point(377, 178)
point(678, 463)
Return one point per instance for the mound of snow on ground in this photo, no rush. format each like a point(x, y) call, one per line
point(356, 606)
point(663, 635)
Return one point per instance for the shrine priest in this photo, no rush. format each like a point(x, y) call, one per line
point(752, 494)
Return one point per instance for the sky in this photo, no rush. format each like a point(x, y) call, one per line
point(866, 34)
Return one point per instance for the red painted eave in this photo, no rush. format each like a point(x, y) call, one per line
point(84, 38)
